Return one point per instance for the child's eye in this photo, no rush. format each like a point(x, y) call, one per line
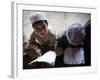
point(43, 27)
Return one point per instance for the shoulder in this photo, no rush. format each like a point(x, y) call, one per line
point(62, 40)
point(51, 33)
point(61, 35)
point(33, 36)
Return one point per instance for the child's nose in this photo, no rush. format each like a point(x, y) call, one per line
point(42, 31)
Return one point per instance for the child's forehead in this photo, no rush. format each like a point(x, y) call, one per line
point(40, 23)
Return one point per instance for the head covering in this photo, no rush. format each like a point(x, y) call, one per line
point(38, 16)
point(75, 34)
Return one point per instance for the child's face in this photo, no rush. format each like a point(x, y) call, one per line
point(75, 36)
point(41, 28)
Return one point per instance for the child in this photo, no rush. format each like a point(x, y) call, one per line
point(71, 44)
point(41, 40)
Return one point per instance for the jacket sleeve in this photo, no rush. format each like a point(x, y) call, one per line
point(52, 42)
point(33, 45)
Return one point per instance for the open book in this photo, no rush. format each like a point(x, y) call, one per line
point(45, 61)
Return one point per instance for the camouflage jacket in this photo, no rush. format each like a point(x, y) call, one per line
point(40, 46)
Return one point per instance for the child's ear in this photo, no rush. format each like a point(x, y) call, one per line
point(33, 27)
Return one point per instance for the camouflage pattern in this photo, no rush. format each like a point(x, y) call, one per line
point(39, 46)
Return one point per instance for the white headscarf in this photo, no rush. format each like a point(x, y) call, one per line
point(75, 34)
